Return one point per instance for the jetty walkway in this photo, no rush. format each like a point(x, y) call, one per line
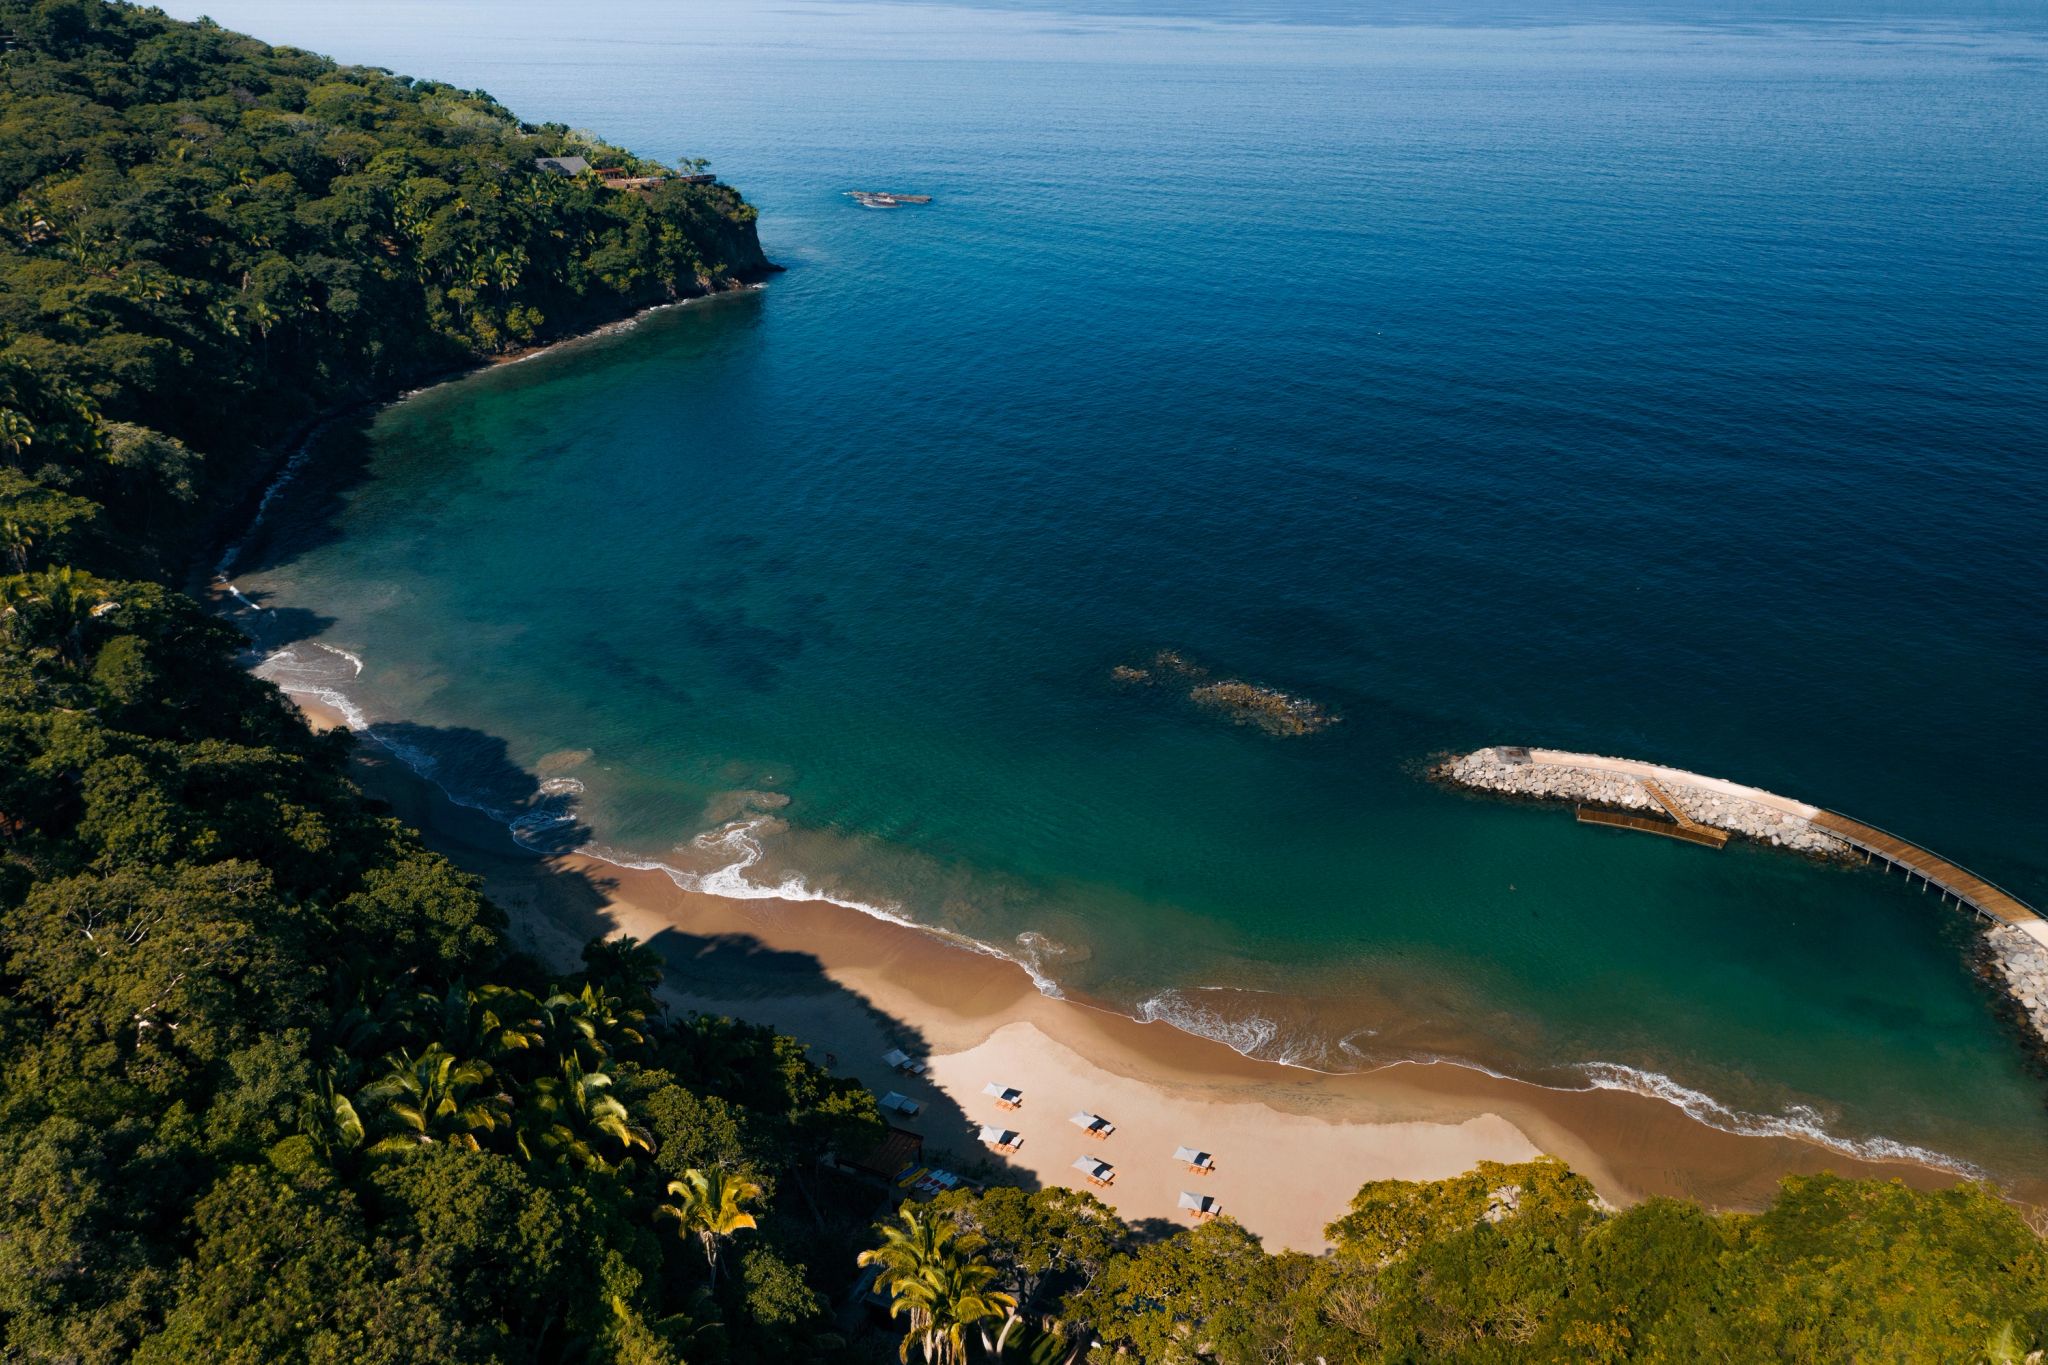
point(1952, 880)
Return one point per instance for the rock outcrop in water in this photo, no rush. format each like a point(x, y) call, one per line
point(1246, 703)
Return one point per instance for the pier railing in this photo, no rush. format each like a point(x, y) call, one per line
point(1970, 888)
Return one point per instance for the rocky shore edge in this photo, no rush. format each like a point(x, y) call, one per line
point(2013, 960)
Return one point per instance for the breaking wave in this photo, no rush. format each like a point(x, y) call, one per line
point(1798, 1120)
point(545, 822)
point(735, 848)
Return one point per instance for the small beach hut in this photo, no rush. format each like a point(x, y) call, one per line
point(899, 1104)
point(1094, 1125)
point(1198, 1162)
point(1098, 1172)
point(1008, 1096)
point(1198, 1206)
point(902, 1061)
point(1001, 1138)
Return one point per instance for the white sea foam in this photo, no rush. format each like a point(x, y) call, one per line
point(1249, 1035)
point(292, 466)
point(536, 826)
point(740, 840)
point(1252, 1035)
point(354, 660)
point(1798, 1121)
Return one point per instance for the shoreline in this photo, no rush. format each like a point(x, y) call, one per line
point(1292, 1144)
point(212, 567)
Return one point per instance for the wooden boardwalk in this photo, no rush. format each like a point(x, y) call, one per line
point(1967, 887)
point(1951, 879)
point(1620, 819)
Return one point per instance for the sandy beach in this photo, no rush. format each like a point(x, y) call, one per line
point(1291, 1146)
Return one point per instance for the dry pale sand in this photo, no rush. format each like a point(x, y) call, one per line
point(1291, 1146)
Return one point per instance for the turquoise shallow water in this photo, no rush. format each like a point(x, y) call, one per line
point(1622, 383)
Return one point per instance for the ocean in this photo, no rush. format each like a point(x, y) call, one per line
point(1621, 378)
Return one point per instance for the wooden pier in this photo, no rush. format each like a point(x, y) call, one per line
point(1679, 826)
point(1986, 898)
point(1954, 881)
point(1690, 832)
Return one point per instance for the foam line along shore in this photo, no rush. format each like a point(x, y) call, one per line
point(881, 983)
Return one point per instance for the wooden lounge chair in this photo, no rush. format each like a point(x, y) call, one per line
point(1003, 1139)
point(1094, 1125)
point(1099, 1173)
point(1006, 1096)
point(899, 1103)
point(1198, 1206)
point(902, 1061)
point(1198, 1162)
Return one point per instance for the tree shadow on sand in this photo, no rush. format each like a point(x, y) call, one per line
point(557, 906)
point(738, 975)
point(474, 770)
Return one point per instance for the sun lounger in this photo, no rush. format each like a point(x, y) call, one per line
point(902, 1061)
point(1001, 1138)
point(1199, 1206)
point(1008, 1096)
point(900, 1104)
point(1094, 1125)
point(1098, 1172)
point(1199, 1162)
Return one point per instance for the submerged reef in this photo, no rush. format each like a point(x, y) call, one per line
point(1246, 703)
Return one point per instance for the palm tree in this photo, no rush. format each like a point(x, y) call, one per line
point(570, 1110)
point(626, 967)
point(489, 1021)
point(435, 1097)
point(711, 1204)
point(952, 1297)
point(329, 1120)
point(913, 1244)
point(47, 613)
point(596, 1018)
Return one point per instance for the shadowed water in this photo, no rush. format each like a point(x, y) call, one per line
point(1637, 385)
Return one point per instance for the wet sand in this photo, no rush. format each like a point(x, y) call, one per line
point(1291, 1146)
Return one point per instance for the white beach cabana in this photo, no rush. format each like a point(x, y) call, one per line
point(1008, 1096)
point(1197, 1161)
point(1200, 1205)
point(899, 1104)
point(1094, 1125)
point(1098, 1172)
point(1001, 1138)
point(897, 1058)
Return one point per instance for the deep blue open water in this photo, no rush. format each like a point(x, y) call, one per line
point(1608, 378)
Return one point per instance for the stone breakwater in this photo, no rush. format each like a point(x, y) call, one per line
point(1502, 771)
point(2020, 964)
point(2014, 959)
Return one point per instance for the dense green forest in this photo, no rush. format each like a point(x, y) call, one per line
point(209, 240)
point(273, 1085)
